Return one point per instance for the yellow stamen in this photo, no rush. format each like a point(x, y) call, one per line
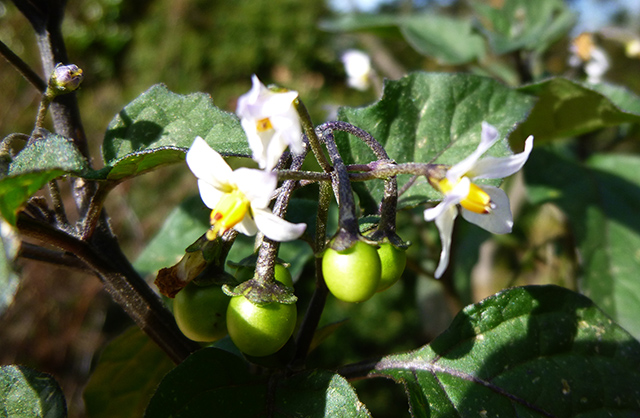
point(477, 200)
point(264, 125)
point(230, 210)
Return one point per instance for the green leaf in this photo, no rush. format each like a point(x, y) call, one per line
point(158, 128)
point(184, 225)
point(9, 279)
point(213, 382)
point(27, 393)
point(537, 351)
point(602, 200)
point(566, 108)
point(126, 376)
point(523, 24)
point(41, 161)
point(431, 118)
point(449, 40)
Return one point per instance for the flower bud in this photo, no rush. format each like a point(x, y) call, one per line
point(65, 79)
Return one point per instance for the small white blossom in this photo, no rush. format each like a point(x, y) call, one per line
point(485, 206)
point(587, 55)
point(357, 65)
point(239, 199)
point(271, 123)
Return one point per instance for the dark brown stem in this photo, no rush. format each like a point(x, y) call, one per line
point(23, 68)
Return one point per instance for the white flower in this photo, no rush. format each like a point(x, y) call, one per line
point(485, 206)
point(239, 199)
point(357, 65)
point(585, 54)
point(271, 123)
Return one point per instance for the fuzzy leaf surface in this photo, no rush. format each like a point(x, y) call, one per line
point(536, 351)
point(27, 393)
point(41, 161)
point(159, 126)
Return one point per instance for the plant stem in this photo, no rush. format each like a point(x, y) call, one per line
point(310, 132)
point(124, 285)
point(23, 68)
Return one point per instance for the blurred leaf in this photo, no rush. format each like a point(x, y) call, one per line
point(602, 201)
point(159, 126)
point(537, 351)
point(566, 108)
point(9, 246)
point(27, 393)
point(126, 376)
point(184, 225)
point(451, 41)
point(213, 382)
point(41, 161)
point(431, 118)
point(522, 24)
point(620, 96)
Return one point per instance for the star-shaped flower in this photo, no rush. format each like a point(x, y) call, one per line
point(271, 123)
point(485, 206)
point(239, 199)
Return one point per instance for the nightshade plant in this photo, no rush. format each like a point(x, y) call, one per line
point(433, 145)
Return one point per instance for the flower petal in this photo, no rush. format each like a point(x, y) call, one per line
point(500, 220)
point(257, 185)
point(210, 195)
point(488, 137)
point(495, 168)
point(247, 226)
point(207, 165)
point(276, 228)
point(444, 222)
point(455, 196)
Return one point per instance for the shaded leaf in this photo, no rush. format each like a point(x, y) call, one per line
point(602, 200)
point(449, 40)
point(536, 351)
point(9, 246)
point(566, 108)
point(27, 393)
point(431, 118)
point(159, 126)
point(213, 382)
point(126, 376)
point(41, 161)
point(522, 24)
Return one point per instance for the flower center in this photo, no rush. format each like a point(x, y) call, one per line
point(264, 125)
point(230, 210)
point(477, 200)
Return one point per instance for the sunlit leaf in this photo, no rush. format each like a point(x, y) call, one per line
point(521, 24)
point(566, 108)
point(213, 382)
point(42, 160)
point(431, 118)
point(602, 200)
point(159, 126)
point(128, 372)
point(528, 352)
point(27, 393)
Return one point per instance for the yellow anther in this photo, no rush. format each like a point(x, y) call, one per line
point(264, 125)
point(477, 200)
point(229, 211)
